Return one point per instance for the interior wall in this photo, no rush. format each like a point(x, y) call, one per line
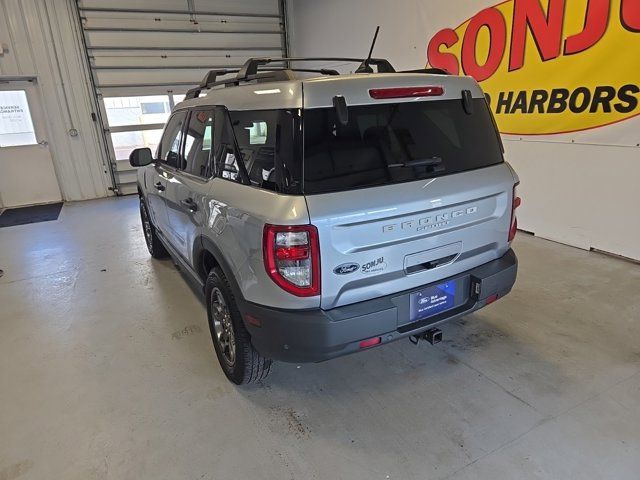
point(575, 193)
point(41, 40)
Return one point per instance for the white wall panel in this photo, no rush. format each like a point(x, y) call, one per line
point(579, 194)
point(255, 7)
point(180, 60)
point(43, 44)
point(185, 40)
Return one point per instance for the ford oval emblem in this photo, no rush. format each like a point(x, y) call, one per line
point(346, 268)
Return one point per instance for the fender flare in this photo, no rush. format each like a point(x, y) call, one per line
point(206, 244)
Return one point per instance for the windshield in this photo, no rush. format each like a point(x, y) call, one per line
point(394, 143)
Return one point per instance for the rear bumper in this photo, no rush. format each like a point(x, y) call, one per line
point(302, 336)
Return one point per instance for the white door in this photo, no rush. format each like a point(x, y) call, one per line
point(27, 176)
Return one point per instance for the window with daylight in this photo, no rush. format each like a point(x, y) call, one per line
point(142, 110)
point(151, 108)
point(16, 126)
point(125, 142)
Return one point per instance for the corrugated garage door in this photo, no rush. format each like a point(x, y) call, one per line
point(145, 54)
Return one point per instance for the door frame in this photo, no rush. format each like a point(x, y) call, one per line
point(41, 129)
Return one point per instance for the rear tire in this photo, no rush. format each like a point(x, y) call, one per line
point(240, 362)
point(155, 246)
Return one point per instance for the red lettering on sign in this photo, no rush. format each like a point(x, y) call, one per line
point(630, 15)
point(595, 25)
point(438, 59)
point(545, 29)
point(529, 18)
point(494, 21)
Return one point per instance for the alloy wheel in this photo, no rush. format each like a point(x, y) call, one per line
point(222, 326)
point(146, 226)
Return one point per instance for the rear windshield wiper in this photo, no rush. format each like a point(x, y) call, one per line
point(420, 162)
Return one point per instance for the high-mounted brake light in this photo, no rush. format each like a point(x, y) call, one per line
point(513, 229)
point(292, 258)
point(405, 92)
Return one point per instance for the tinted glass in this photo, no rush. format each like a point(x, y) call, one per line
point(394, 143)
point(226, 154)
point(268, 147)
point(197, 143)
point(169, 148)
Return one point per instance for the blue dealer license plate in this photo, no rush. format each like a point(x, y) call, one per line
point(433, 300)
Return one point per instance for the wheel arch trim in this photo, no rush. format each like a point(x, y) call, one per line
point(203, 245)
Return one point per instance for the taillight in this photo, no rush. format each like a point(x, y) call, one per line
point(405, 92)
point(292, 258)
point(513, 229)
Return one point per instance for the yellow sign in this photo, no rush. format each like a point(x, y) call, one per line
point(550, 66)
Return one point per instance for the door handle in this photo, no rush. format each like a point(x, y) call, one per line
point(159, 186)
point(189, 204)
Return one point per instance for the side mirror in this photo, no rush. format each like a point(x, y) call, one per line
point(141, 157)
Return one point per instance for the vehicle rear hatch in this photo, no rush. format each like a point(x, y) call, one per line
point(408, 191)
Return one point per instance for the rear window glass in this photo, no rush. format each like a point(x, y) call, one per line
point(395, 143)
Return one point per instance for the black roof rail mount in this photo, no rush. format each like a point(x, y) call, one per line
point(257, 69)
point(208, 80)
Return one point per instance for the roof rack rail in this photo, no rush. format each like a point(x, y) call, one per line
point(257, 69)
point(210, 79)
point(383, 65)
point(272, 74)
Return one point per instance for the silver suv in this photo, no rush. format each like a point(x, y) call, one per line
point(324, 214)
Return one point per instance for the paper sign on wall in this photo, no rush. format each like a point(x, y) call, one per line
point(16, 126)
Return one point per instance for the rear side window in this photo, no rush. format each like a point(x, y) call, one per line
point(269, 147)
point(395, 143)
point(257, 144)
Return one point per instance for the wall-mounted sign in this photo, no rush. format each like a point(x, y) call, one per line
point(550, 66)
point(16, 126)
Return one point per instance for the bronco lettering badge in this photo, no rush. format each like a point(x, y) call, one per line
point(427, 223)
point(346, 268)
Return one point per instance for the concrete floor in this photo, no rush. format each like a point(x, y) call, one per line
point(107, 371)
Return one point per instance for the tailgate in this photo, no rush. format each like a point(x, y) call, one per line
point(388, 239)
